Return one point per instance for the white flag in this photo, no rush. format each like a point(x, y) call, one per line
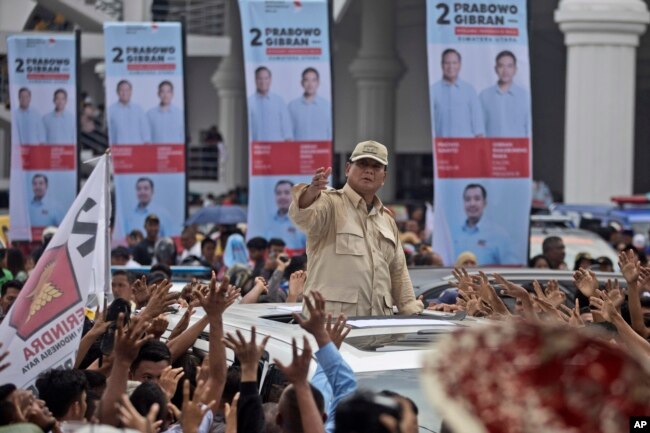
point(44, 325)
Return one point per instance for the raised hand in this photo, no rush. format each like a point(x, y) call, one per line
point(231, 415)
point(131, 418)
point(644, 278)
point(574, 314)
point(193, 411)
point(319, 180)
point(602, 305)
point(510, 288)
point(169, 379)
point(586, 281)
point(297, 371)
point(553, 293)
point(218, 299)
point(339, 330)
point(629, 263)
point(464, 280)
point(296, 286)
point(158, 326)
point(315, 325)
point(248, 353)
point(128, 343)
point(614, 293)
point(159, 300)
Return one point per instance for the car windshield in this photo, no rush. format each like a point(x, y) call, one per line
point(406, 383)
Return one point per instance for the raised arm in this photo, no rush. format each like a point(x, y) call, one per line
point(215, 303)
point(250, 415)
point(127, 345)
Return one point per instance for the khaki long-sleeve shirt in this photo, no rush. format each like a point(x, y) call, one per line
point(355, 257)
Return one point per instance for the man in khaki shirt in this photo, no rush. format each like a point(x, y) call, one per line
point(355, 256)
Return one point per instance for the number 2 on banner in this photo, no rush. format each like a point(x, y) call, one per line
point(118, 55)
point(442, 19)
point(256, 38)
point(19, 65)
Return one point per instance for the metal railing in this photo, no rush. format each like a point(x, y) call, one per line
point(201, 17)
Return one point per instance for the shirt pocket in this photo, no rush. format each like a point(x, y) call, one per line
point(350, 241)
point(387, 243)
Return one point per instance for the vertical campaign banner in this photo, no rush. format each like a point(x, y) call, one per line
point(479, 78)
point(146, 124)
point(289, 88)
point(43, 97)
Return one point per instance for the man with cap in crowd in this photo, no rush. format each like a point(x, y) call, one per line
point(143, 253)
point(356, 258)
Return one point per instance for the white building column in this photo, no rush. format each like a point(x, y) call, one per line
point(135, 10)
point(377, 70)
point(229, 82)
point(601, 38)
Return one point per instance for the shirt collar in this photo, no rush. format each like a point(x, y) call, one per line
point(314, 101)
point(475, 229)
point(357, 200)
point(501, 92)
point(454, 84)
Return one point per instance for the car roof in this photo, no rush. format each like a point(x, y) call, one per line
point(386, 344)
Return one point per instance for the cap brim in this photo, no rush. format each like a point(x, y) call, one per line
point(356, 158)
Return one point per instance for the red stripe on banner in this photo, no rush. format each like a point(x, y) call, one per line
point(486, 31)
point(47, 76)
point(48, 157)
point(289, 157)
point(293, 51)
point(482, 157)
point(148, 158)
point(151, 67)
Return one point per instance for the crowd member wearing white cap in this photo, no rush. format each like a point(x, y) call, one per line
point(356, 258)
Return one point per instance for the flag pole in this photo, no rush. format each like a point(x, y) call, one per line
point(107, 229)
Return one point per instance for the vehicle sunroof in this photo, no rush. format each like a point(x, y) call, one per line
point(396, 342)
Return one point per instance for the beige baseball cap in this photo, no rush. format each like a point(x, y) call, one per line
point(370, 149)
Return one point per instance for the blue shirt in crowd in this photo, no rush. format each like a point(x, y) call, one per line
point(127, 124)
point(29, 124)
point(311, 120)
point(334, 379)
point(490, 243)
point(60, 128)
point(167, 126)
point(281, 226)
point(269, 118)
point(456, 110)
point(506, 114)
point(43, 214)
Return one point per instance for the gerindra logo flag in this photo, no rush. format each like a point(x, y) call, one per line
point(44, 326)
point(50, 292)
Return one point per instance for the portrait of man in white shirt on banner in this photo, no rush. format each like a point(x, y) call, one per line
point(28, 121)
point(311, 115)
point(166, 120)
point(127, 122)
point(269, 117)
point(60, 124)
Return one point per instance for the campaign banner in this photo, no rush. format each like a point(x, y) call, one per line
point(43, 98)
point(43, 327)
point(289, 88)
point(479, 89)
point(146, 125)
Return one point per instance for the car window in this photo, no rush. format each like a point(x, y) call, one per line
point(406, 383)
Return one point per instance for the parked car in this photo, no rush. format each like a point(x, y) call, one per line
point(575, 240)
point(384, 353)
point(431, 282)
